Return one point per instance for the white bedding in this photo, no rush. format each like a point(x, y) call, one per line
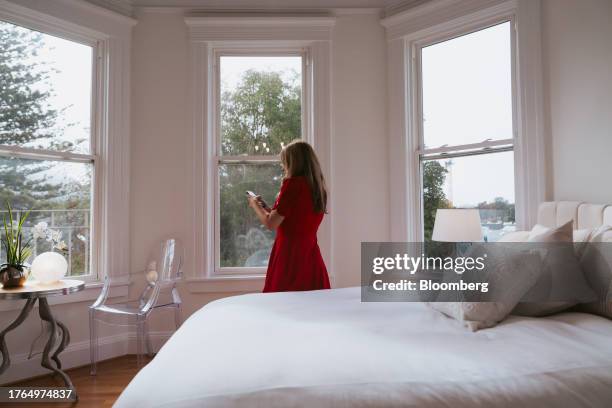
point(326, 349)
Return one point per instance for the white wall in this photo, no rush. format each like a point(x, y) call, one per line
point(160, 196)
point(359, 144)
point(577, 55)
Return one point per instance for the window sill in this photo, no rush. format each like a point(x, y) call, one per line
point(226, 284)
point(89, 294)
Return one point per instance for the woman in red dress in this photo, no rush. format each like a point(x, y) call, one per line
point(295, 261)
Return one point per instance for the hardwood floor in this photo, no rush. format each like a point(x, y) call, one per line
point(99, 391)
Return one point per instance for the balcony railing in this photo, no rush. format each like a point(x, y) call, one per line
point(74, 225)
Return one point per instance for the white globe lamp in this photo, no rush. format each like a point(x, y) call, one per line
point(49, 267)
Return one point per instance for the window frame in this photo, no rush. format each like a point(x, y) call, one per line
point(422, 154)
point(96, 138)
point(218, 159)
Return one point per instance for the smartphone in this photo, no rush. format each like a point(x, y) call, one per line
point(261, 201)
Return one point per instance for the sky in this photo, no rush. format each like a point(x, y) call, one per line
point(234, 67)
point(467, 98)
point(474, 179)
point(70, 81)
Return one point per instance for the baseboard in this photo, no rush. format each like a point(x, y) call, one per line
point(77, 354)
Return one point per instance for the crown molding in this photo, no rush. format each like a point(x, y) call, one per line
point(402, 5)
point(258, 21)
point(128, 8)
point(49, 14)
point(227, 27)
point(124, 7)
point(434, 12)
point(40, 21)
point(335, 12)
point(412, 13)
point(351, 11)
point(160, 10)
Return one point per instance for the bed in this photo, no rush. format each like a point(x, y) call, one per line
point(327, 349)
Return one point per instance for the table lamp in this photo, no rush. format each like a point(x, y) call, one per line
point(457, 225)
point(49, 267)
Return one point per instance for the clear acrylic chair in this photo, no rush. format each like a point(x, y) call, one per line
point(163, 270)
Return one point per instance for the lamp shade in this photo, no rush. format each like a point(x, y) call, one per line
point(49, 267)
point(457, 225)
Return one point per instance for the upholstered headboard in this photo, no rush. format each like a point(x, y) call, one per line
point(584, 215)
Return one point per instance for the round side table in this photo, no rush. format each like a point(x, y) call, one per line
point(33, 291)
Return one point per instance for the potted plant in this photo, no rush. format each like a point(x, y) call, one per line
point(13, 273)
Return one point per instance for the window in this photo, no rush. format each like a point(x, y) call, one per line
point(260, 109)
point(467, 127)
point(47, 152)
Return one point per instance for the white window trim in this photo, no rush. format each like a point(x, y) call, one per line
point(448, 18)
point(249, 34)
point(110, 35)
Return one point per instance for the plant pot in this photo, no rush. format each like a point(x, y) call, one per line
point(12, 276)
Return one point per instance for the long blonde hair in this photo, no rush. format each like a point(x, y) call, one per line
point(299, 159)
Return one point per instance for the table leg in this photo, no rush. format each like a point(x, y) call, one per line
point(6, 361)
point(45, 314)
point(64, 343)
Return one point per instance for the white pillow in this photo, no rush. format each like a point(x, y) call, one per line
point(536, 231)
point(473, 315)
point(596, 263)
point(602, 234)
point(582, 235)
point(509, 272)
point(579, 236)
point(561, 276)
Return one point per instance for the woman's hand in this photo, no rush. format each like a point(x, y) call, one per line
point(254, 202)
point(257, 201)
point(268, 217)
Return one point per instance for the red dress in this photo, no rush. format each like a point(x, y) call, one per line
point(295, 261)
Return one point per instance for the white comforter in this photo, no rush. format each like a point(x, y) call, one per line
point(327, 349)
